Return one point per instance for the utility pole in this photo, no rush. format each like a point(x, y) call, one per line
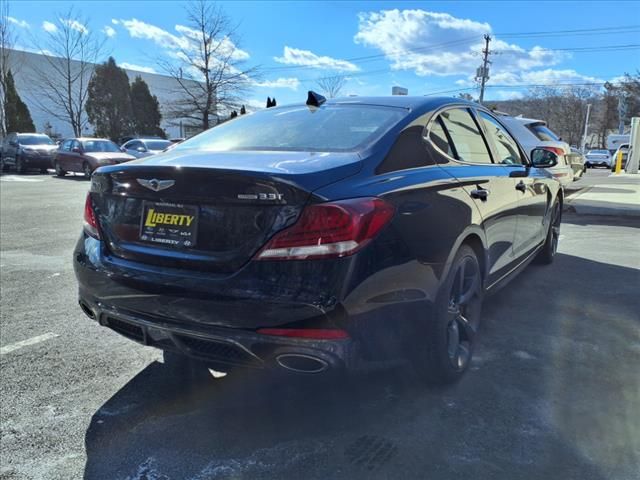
point(586, 128)
point(483, 71)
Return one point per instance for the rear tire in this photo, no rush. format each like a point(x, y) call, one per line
point(59, 171)
point(447, 340)
point(20, 166)
point(86, 169)
point(44, 170)
point(550, 247)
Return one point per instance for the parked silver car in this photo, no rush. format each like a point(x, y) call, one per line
point(144, 147)
point(598, 158)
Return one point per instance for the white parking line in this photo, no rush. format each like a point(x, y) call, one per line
point(15, 178)
point(29, 341)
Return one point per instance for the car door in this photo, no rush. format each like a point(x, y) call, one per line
point(529, 183)
point(62, 155)
point(75, 156)
point(12, 148)
point(487, 183)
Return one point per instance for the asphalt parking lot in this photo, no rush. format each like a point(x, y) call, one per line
point(554, 390)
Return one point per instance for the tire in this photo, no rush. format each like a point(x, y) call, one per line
point(59, 171)
point(20, 166)
point(444, 353)
point(3, 166)
point(44, 170)
point(550, 247)
point(86, 169)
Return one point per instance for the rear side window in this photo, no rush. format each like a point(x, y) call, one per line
point(506, 147)
point(408, 151)
point(542, 132)
point(439, 138)
point(468, 142)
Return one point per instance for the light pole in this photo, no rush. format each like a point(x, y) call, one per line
point(586, 128)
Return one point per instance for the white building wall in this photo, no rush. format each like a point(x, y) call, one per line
point(25, 64)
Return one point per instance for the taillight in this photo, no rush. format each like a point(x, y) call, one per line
point(90, 221)
point(330, 230)
point(310, 333)
point(557, 150)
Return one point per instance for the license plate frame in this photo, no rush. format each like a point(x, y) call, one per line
point(173, 225)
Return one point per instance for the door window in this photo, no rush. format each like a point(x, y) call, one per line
point(66, 146)
point(506, 147)
point(468, 142)
point(439, 138)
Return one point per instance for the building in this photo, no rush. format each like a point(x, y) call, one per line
point(28, 69)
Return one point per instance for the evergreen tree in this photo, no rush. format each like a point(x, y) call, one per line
point(243, 110)
point(269, 102)
point(109, 101)
point(18, 118)
point(146, 110)
point(234, 114)
point(273, 102)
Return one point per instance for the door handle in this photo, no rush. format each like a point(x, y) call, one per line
point(521, 186)
point(480, 194)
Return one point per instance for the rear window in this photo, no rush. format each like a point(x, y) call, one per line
point(157, 144)
point(35, 140)
point(543, 133)
point(327, 128)
point(99, 146)
point(598, 152)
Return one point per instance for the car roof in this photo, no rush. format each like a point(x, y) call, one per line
point(88, 139)
point(399, 101)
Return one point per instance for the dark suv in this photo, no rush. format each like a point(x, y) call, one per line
point(26, 151)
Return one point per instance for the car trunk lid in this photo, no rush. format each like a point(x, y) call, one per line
point(207, 211)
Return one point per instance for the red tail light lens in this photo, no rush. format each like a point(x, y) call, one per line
point(90, 221)
point(558, 151)
point(310, 333)
point(330, 230)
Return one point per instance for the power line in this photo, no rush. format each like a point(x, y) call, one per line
point(530, 85)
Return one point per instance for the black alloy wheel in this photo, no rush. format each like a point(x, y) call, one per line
point(550, 247)
point(59, 171)
point(20, 166)
point(451, 333)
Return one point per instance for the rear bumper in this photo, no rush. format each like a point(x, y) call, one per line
point(221, 347)
point(197, 313)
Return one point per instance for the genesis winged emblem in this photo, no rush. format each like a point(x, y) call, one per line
point(155, 184)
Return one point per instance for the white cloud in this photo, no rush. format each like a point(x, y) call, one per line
point(139, 29)
point(115, 21)
point(76, 25)
point(49, 27)
point(295, 56)
point(432, 43)
point(292, 83)
point(19, 23)
point(505, 95)
point(109, 31)
point(188, 40)
point(138, 68)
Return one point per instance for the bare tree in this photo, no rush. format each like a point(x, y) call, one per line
point(210, 69)
point(70, 51)
point(331, 86)
point(6, 43)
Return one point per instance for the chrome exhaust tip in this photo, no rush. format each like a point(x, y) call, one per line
point(88, 311)
point(301, 363)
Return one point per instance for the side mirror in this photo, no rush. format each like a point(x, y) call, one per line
point(543, 158)
point(76, 150)
point(141, 149)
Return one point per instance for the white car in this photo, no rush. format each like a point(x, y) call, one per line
point(533, 133)
point(598, 158)
point(144, 147)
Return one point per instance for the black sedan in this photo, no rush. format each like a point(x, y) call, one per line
point(319, 237)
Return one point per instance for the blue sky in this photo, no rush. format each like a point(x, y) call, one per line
point(424, 46)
